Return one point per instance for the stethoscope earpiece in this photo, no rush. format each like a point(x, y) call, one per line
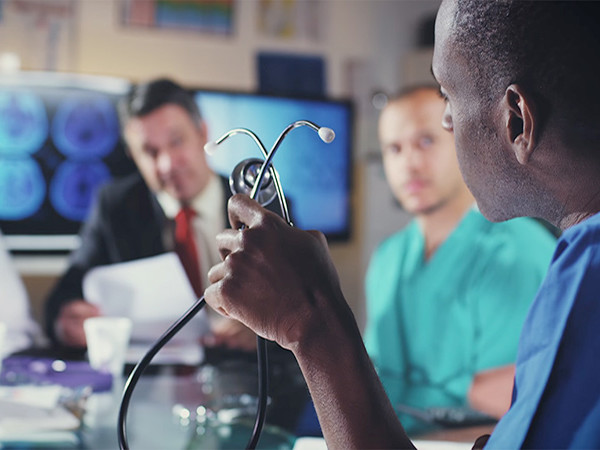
point(244, 176)
point(258, 178)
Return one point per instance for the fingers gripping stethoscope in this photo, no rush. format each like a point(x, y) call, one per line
point(260, 180)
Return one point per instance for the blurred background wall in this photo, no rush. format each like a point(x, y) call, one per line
point(368, 48)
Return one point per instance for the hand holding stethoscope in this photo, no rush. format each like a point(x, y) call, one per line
point(260, 180)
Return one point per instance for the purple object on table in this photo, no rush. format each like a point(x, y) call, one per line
point(72, 374)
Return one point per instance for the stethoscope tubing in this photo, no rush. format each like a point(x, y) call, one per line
point(261, 345)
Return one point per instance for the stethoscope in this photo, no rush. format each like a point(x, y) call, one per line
point(258, 179)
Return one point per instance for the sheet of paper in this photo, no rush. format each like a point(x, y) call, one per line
point(154, 292)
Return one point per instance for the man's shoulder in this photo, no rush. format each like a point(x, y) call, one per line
point(123, 190)
point(589, 228)
point(122, 185)
point(128, 196)
point(581, 238)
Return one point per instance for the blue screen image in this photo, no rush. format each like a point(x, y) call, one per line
point(22, 188)
point(73, 186)
point(23, 123)
point(315, 176)
point(59, 142)
point(85, 127)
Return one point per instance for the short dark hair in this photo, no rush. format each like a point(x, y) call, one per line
point(147, 97)
point(550, 47)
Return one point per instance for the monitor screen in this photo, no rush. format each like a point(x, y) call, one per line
point(59, 141)
point(316, 177)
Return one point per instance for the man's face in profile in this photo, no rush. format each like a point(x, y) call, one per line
point(168, 149)
point(487, 166)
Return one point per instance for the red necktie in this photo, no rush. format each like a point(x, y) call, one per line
point(185, 247)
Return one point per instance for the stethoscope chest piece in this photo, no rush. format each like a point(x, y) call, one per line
point(243, 177)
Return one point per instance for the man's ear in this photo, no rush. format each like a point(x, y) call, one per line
point(520, 122)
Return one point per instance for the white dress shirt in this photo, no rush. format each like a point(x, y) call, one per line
point(209, 206)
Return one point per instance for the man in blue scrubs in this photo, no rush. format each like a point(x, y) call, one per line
point(519, 78)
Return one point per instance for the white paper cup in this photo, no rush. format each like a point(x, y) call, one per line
point(107, 342)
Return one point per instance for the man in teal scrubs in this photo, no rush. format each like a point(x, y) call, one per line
point(441, 291)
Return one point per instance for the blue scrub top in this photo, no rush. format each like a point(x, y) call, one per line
point(556, 402)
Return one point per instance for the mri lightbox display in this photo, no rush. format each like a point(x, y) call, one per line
point(60, 140)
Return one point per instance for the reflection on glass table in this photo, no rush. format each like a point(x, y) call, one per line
point(176, 412)
point(194, 411)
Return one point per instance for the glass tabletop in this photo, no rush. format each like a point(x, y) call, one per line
point(168, 410)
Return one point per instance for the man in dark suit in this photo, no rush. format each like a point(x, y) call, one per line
point(135, 217)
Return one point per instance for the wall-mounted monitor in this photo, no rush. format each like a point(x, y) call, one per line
point(59, 141)
point(316, 176)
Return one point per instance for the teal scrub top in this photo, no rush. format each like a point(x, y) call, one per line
point(432, 325)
